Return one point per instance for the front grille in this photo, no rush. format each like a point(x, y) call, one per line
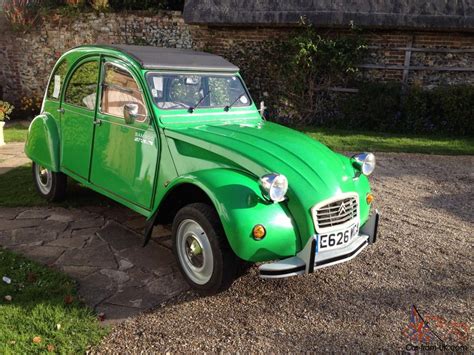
point(336, 213)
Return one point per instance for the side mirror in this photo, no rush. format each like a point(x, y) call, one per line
point(130, 112)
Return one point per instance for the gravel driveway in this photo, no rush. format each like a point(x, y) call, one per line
point(423, 257)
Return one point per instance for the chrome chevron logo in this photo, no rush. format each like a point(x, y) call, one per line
point(342, 209)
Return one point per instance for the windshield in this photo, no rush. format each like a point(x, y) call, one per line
point(184, 91)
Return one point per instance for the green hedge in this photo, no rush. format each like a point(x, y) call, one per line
point(385, 107)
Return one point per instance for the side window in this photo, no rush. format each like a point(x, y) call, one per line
point(120, 89)
point(81, 88)
point(57, 81)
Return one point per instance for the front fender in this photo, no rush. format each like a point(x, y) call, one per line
point(42, 143)
point(237, 199)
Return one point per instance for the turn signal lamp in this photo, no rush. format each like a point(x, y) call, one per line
point(369, 198)
point(259, 232)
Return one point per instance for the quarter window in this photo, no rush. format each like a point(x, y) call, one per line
point(120, 89)
point(57, 81)
point(82, 87)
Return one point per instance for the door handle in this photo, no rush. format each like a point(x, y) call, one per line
point(97, 122)
point(61, 110)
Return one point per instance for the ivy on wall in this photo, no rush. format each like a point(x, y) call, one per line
point(293, 75)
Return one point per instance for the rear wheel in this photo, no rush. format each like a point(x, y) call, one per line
point(204, 256)
point(50, 185)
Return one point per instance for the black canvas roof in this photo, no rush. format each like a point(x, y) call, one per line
point(175, 59)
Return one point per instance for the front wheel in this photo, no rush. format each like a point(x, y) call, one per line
point(204, 256)
point(50, 185)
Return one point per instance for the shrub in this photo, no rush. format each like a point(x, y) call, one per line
point(417, 111)
point(453, 109)
point(382, 107)
point(293, 74)
point(22, 14)
point(314, 63)
point(30, 106)
point(374, 107)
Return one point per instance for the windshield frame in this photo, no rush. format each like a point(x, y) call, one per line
point(150, 73)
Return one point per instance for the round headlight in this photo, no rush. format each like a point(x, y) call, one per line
point(365, 162)
point(274, 186)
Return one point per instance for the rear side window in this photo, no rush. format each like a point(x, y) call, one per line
point(82, 87)
point(57, 81)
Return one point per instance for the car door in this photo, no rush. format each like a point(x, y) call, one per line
point(77, 110)
point(125, 154)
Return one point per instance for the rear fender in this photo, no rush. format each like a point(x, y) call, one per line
point(42, 142)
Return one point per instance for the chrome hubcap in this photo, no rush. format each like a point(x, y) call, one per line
point(44, 178)
point(194, 251)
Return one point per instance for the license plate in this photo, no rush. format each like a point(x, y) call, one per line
point(338, 239)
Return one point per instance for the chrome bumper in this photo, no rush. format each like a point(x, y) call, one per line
point(309, 259)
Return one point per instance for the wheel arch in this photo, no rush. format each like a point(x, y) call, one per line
point(178, 196)
point(235, 196)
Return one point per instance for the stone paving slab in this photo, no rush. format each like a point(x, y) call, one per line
point(12, 155)
point(100, 249)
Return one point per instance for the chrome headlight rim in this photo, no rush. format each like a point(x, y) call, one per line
point(364, 162)
point(274, 187)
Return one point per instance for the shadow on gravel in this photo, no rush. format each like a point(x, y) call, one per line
point(450, 203)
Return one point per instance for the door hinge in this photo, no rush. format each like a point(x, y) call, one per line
point(97, 122)
point(61, 110)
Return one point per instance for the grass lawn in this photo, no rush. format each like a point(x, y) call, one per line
point(348, 140)
point(17, 189)
point(15, 133)
point(341, 140)
point(44, 314)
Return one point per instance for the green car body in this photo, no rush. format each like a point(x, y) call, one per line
point(211, 154)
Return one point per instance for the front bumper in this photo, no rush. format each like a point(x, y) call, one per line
point(309, 259)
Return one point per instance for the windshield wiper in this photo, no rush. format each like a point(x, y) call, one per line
point(191, 108)
point(228, 107)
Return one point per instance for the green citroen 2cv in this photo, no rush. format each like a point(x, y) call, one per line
point(174, 135)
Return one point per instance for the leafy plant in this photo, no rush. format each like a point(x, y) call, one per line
point(314, 63)
point(293, 74)
point(5, 110)
point(22, 14)
point(99, 5)
point(30, 105)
